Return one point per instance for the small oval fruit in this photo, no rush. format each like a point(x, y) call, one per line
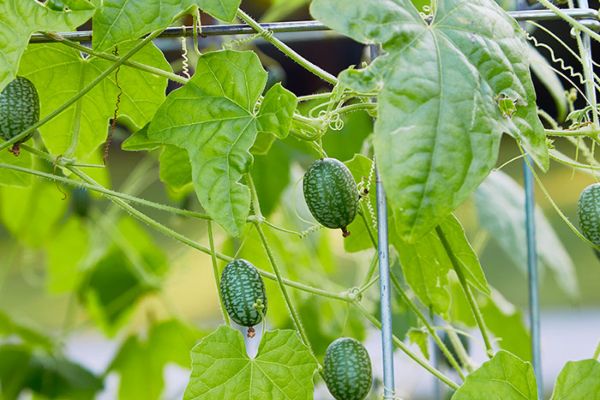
point(331, 194)
point(347, 370)
point(588, 209)
point(19, 109)
point(56, 5)
point(81, 201)
point(243, 293)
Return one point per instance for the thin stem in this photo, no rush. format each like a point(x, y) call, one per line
point(110, 57)
point(597, 353)
point(372, 268)
point(288, 301)
point(570, 19)
point(435, 372)
point(317, 96)
point(460, 349)
point(436, 338)
point(82, 93)
point(303, 62)
point(467, 290)
point(217, 276)
point(585, 132)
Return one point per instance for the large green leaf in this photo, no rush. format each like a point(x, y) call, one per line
point(121, 20)
point(13, 178)
point(578, 380)
point(214, 118)
point(141, 363)
point(19, 19)
point(504, 377)
point(221, 369)
point(59, 73)
point(426, 264)
point(500, 205)
point(439, 112)
point(30, 214)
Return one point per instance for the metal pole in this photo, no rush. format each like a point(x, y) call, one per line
point(586, 16)
point(387, 347)
point(533, 281)
point(385, 299)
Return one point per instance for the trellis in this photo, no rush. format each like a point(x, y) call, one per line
point(583, 14)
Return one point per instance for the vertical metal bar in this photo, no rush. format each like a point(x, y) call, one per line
point(533, 281)
point(587, 59)
point(387, 346)
point(385, 299)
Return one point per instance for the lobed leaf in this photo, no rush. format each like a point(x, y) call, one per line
point(439, 121)
point(283, 368)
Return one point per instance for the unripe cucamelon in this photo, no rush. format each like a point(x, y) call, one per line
point(589, 213)
point(19, 109)
point(331, 194)
point(347, 370)
point(243, 293)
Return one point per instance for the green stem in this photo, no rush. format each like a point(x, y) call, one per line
point(82, 93)
point(217, 276)
point(370, 272)
point(467, 290)
point(110, 57)
point(435, 372)
point(303, 62)
point(460, 349)
point(570, 19)
point(597, 353)
point(288, 301)
point(432, 332)
point(189, 242)
point(591, 133)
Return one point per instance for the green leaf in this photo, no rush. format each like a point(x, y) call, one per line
point(271, 175)
point(213, 118)
point(504, 377)
point(14, 178)
point(59, 73)
point(221, 369)
point(455, 234)
point(578, 380)
point(129, 268)
point(175, 168)
point(66, 250)
point(120, 20)
point(139, 141)
point(360, 168)
point(10, 327)
point(21, 18)
point(49, 376)
point(275, 117)
point(30, 214)
point(500, 203)
point(507, 324)
point(141, 362)
point(439, 124)
point(426, 265)
point(421, 339)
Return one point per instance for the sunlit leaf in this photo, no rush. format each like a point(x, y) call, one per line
point(283, 368)
point(19, 19)
point(578, 380)
point(439, 122)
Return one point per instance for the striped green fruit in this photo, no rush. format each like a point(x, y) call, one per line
point(243, 293)
point(589, 213)
point(347, 370)
point(19, 109)
point(331, 194)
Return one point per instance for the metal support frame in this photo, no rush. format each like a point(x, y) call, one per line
point(586, 16)
point(583, 14)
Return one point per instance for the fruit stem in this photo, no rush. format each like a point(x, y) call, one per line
point(303, 62)
point(467, 290)
point(460, 349)
point(435, 372)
